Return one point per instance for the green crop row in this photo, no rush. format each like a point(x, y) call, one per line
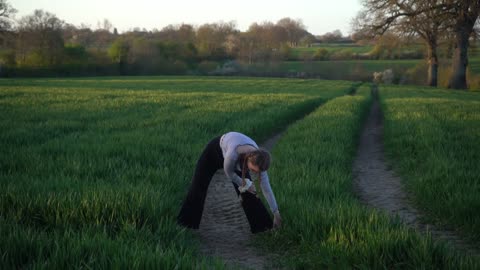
point(432, 139)
point(187, 84)
point(324, 224)
point(93, 171)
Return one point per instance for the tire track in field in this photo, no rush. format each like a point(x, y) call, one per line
point(377, 186)
point(224, 229)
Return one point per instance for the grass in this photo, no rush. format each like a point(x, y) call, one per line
point(333, 47)
point(474, 65)
point(334, 70)
point(93, 171)
point(354, 49)
point(324, 225)
point(432, 136)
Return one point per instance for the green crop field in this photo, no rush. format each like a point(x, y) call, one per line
point(327, 228)
point(93, 172)
point(432, 137)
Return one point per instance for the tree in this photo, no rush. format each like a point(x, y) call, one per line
point(321, 54)
point(232, 44)
point(184, 33)
point(118, 52)
point(81, 35)
point(245, 47)
point(7, 13)
point(6, 16)
point(463, 14)
point(385, 47)
point(334, 36)
point(211, 38)
point(104, 25)
point(425, 18)
point(295, 30)
point(40, 40)
point(261, 42)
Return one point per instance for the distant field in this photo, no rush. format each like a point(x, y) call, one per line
point(354, 69)
point(333, 47)
point(333, 70)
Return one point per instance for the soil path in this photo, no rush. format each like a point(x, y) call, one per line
point(377, 186)
point(224, 228)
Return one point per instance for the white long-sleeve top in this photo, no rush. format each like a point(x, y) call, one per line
point(229, 144)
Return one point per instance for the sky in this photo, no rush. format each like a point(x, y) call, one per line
point(319, 16)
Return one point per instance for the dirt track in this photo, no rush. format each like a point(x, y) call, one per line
point(224, 229)
point(377, 186)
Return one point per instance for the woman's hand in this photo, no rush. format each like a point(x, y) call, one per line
point(252, 189)
point(277, 220)
point(247, 186)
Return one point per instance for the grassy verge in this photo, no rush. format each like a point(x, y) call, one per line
point(324, 225)
point(93, 171)
point(432, 139)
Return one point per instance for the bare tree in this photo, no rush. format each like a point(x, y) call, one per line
point(40, 37)
point(184, 33)
point(429, 19)
point(334, 36)
point(6, 15)
point(463, 14)
point(210, 39)
point(295, 30)
point(258, 42)
point(425, 18)
point(105, 25)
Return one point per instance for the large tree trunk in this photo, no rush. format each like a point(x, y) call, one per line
point(468, 11)
point(458, 79)
point(432, 64)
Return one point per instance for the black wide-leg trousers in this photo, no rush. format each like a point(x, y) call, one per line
point(209, 162)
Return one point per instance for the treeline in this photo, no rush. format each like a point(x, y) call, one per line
point(42, 44)
point(435, 22)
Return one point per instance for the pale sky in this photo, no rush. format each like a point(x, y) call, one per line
point(319, 16)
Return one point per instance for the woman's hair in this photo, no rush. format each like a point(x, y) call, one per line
point(259, 157)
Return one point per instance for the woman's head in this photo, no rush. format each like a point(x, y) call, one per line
point(258, 160)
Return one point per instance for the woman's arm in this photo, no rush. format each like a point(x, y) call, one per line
point(268, 193)
point(229, 168)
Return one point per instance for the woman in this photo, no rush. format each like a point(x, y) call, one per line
point(239, 156)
